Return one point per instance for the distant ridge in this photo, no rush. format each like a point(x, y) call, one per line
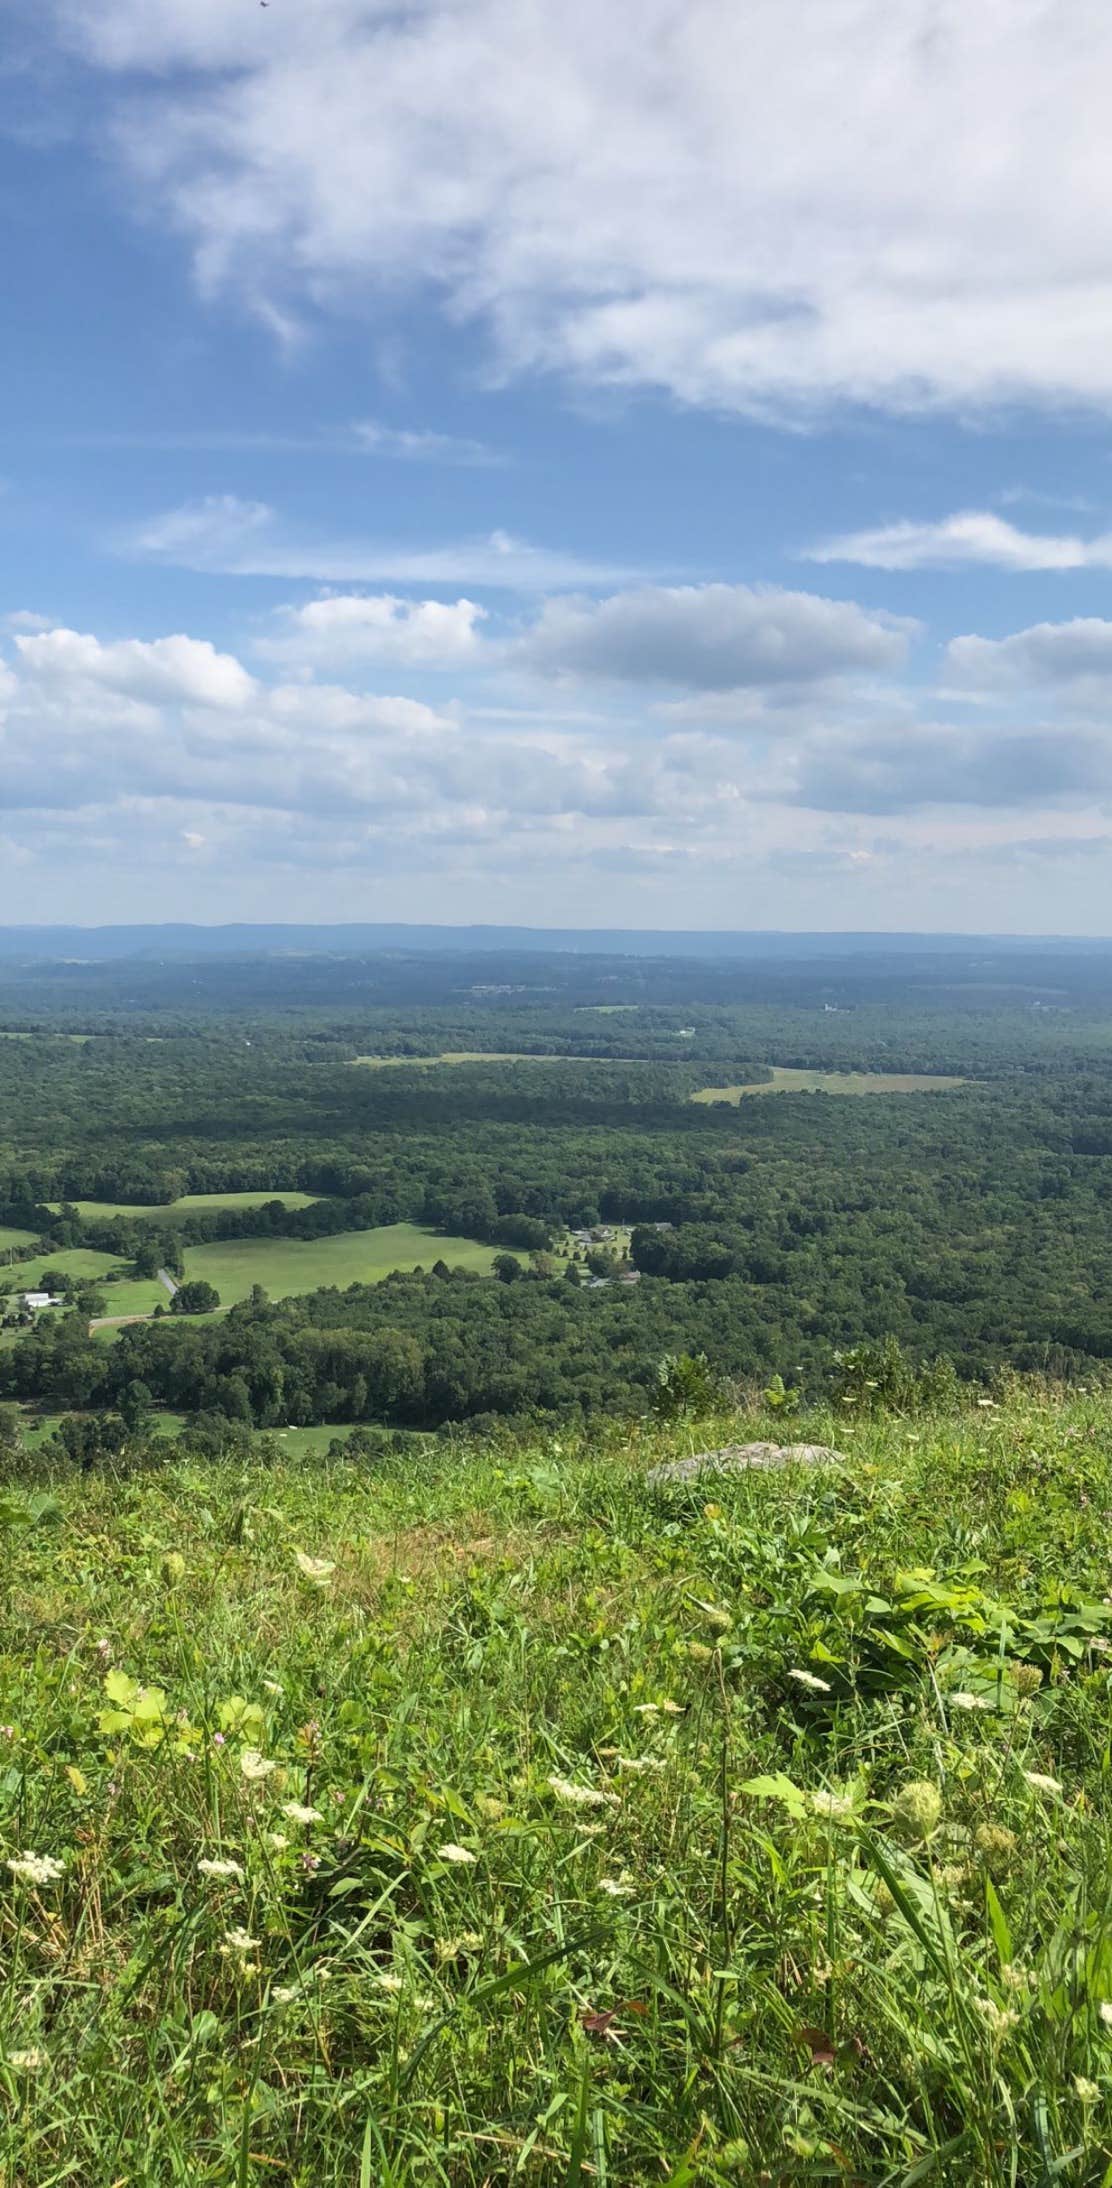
point(181, 941)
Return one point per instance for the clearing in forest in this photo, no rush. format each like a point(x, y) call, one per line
point(787, 1080)
point(190, 1204)
point(284, 1266)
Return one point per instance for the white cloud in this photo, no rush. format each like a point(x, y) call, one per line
point(900, 772)
point(185, 669)
point(223, 535)
point(352, 627)
point(973, 536)
point(763, 208)
point(712, 638)
point(1074, 659)
point(421, 445)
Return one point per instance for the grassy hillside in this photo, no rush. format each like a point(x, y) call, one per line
point(483, 1817)
point(289, 1265)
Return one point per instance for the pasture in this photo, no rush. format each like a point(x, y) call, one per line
point(173, 1211)
point(787, 1080)
point(284, 1266)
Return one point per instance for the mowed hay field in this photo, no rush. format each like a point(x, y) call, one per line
point(786, 1080)
point(190, 1204)
point(123, 1293)
point(11, 1241)
point(284, 1266)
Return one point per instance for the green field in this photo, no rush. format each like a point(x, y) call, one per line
point(786, 1080)
point(287, 1265)
point(11, 1241)
point(123, 1293)
point(485, 1056)
point(518, 1822)
point(189, 1204)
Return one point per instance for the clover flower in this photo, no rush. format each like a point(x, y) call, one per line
point(35, 1868)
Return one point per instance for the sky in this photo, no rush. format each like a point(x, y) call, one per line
point(642, 465)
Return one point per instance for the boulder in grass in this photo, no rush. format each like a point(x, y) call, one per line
point(738, 1458)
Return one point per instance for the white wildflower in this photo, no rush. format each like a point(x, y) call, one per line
point(31, 2061)
point(274, 1686)
point(220, 1868)
point(240, 1942)
point(317, 1569)
point(1106, 2012)
point(962, 1700)
point(638, 1764)
point(833, 1805)
point(617, 1887)
point(254, 1766)
point(1089, 2092)
point(277, 1840)
point(284, 1994)
point(36, 1868)
point(391, 1983)
point(298, 1813)
point(456, 1853)
point(581, 1796)
point(811, 1681)
point(1001, 2019)
point(1041, 1782)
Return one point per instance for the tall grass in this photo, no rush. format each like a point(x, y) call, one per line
point(536, 1825)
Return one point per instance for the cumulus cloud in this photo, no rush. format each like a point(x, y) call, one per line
point(973, 536)
point(1073, 658)
point(231, 538)
point(943, 766)
point(768, 208)
point(352, 627)
point(713, 638)
point(184, 669)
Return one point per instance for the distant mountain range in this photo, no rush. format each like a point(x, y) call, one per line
point(181, 942)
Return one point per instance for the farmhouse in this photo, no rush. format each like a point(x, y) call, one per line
point(39, 1299)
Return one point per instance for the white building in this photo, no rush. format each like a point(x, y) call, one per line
point(40, 1299)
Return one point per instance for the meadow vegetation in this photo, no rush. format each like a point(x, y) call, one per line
point(486, 1814)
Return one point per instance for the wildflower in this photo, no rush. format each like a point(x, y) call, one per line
point(833, 1805)
point(658, 1709)
point(962, 1700)
point(310, 1864)
point(7, 1732)
point(298, 1813)
point(456, 1853)
point(811, 1681)
point(255, 1766)
point(278, 1840)
point(219, 1868)
point(1016, 1978)
point(240, 1942)
point(487, 1806)
point(1041, 1782)
point(35, 1868)
point(318, 1570)
point(581, 1796)
point(1001, 2019)
point(1027, 1678)
point(218, 1739)
point(1106, 2012)
point(918, 1808)
point(953, 1877)
point(273, 1686)
point(995, 1844)
point(104, 1647)
point(284, 1994)
point(389, 1982)
point(31, 2061)
point(639, 1764)
point(617, 1887)
point(1089, 2092)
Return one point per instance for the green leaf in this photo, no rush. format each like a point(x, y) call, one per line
point(998, 1922)
point(777, 1788)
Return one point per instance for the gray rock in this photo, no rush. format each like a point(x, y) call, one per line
point(737, 1458)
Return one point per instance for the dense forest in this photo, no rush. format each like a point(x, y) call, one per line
point(526, 1101)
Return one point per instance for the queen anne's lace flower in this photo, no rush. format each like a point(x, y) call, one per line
point(457, 1854)
point(36, 1868)
point(254, 1766)
point(581, 1796)
point(298, 1813)
point(220, 1868)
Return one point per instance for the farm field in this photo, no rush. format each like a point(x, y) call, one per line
point(123, 1293)
point(12, 1240)
point(486, 1056)
point(786, 1080)
point(503, 1817)
point(189, 1204)
point(287, 1265)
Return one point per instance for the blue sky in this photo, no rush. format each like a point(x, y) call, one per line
point(645, 466)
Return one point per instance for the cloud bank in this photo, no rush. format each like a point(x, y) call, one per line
point(768, 209)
